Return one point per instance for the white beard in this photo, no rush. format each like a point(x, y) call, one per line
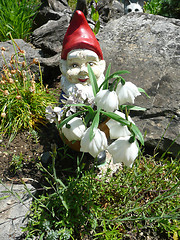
point(69, 88)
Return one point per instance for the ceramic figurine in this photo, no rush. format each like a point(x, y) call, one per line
point(80, 48)
point(134, 6)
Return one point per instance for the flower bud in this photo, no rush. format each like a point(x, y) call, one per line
point(22, 52)
point(3, 76)
point(35, 61)
point(13, 71)
point(3, 114)
point(6, 92)
point(18, 97)
point(11, 80)
point(23, 64)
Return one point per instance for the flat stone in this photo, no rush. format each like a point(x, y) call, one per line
point(13, 209)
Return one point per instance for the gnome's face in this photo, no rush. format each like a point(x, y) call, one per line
point(75, 67)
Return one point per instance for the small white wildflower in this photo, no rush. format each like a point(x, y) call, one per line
point(116, 129)
point(74, 129)
point(123, 151)
point(96, 145)
point(127, 92)
point(107, 100)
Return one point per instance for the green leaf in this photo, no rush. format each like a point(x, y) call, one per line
point(95, 16)
point(82, 105)
point(4, 197)
point(123, 121)
point(97, 27)
point(134, 108)
point(87, 118)
point(94, 125)
point(92, 10)
point(143, 91)
point(137, 133)
point(116, 117)
point(41, 237)
point(106, 83)
point(93, 80)
point(66, 120)
point(117, 74)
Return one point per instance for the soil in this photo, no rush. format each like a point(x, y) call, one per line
point(28, 148)
point(19, 158)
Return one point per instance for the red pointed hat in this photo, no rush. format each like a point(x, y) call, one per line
point(80, 36)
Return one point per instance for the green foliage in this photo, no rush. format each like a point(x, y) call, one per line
point(95, 17)
point(94, 13)
point(17, 17)
point(16, 163)
point(72, 3)
point(166, 8)
point(23, 99)
point(142, 197)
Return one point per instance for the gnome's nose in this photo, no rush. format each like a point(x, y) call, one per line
point(83, 69)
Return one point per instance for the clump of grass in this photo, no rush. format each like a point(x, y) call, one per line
point(136, 199)
point(17, 17)
point(166, 8)
point(23, 98)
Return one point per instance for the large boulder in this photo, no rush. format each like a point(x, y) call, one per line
point(50, 10)
point(49, 65)
point(149, 47)
point(19, 44)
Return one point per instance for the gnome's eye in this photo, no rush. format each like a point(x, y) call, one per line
point(91, 63)
point(74, 65)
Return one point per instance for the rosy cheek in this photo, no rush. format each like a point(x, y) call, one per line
point(71, 75)
point(96, 71)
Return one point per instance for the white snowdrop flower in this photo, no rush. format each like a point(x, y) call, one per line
point(106, 100)
point(96, 145)
point(127, 92)
point(74, 129)
point(116, 129)
point(123, 151)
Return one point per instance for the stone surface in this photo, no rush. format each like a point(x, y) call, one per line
point(109, 9)
point(13, 210)
point(50, 10)
point(149, 47)
point(30, 52)
point(49, 65)
point(49, 37)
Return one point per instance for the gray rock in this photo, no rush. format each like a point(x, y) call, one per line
point(30, 53)
point(149, 47)
point(49, 65)
point(117, 10)
point(13, 210)
point(49, 37)
point(50, 10)
point(45, 158)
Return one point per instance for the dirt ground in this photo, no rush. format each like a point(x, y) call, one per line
point(28, 147)
point(18, 158)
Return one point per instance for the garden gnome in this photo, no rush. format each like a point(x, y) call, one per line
point(80, 48)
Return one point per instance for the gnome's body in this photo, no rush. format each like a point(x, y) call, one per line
point(80, 48)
